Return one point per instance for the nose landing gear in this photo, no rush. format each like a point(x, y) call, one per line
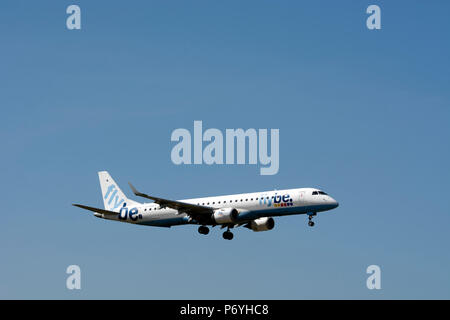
point(310, 216)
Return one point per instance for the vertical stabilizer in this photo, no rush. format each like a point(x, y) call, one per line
point(113, 197)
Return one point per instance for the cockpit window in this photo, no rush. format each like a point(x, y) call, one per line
point(314, 193)
point(321, 192)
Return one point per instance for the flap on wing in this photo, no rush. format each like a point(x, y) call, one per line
point(102, 211)
point(184, 207)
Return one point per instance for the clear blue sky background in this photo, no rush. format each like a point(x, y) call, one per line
point(362, 114)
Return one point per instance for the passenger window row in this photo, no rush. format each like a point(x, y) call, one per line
point(230, 201)
point(223, 202)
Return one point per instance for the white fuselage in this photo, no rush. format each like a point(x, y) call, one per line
point(249, 205)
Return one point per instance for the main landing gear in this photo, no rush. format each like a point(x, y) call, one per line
point(203, 230)
point(310, 216)
point(227, 235)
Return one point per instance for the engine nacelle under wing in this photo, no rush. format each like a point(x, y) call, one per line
point(261, 224)
point(225, 215)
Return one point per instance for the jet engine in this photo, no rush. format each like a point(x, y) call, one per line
point(261, 224)
point(225, 215)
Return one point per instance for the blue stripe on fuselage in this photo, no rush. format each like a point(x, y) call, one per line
point(246, 215)
point(273, 212)
point(166, 222)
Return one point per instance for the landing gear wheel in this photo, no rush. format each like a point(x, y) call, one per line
point(310, 222)
point(227, 235)
point(203, 230)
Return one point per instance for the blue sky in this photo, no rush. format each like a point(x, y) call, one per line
point(362, 114)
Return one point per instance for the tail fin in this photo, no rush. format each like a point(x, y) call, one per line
point(113, 197)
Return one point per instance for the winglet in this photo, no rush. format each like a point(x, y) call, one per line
point(143, 195)
point(137, 193)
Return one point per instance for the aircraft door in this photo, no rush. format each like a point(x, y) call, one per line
point(302, 197)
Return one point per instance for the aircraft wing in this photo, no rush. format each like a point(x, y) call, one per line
point(102, 211)
point(196, 211)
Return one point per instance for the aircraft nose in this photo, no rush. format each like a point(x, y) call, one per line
point(334, 203)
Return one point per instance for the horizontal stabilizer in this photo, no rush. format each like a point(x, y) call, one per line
point(102, 211)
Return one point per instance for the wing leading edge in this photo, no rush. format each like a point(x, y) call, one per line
point(193, 210)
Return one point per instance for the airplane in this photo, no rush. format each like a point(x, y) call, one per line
point(254, 211)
